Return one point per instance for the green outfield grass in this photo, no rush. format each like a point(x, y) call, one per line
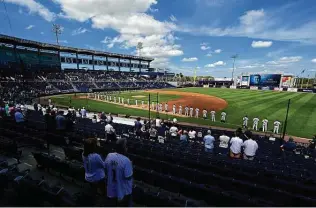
point(262, 104)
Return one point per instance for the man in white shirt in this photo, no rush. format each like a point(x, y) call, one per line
point(265, 125)
point(250, 146)
point(83, 113)
point(136, 102)
point(276, 127)
point(255, 124)
point(158, 122)
point(43, 110)
point(197, 112)
point(114, 99)
point(192, 134)
point(223, 118)
point(245, 121)
point(173, 132)
point(235, 145)
point(174, 109)
point(166, 107)
point(110, 132)
point(213, 115)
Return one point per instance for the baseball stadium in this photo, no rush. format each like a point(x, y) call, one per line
point(90, 127)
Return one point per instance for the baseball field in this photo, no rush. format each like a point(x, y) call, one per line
point(236, 103)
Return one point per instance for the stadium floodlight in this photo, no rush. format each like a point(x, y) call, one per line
point(139, 48)
point(57, 30)
point(234, 57)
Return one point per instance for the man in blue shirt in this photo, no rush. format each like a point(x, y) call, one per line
point(19, 117)
point(209, 142)
point(289, 146)
point(60, 121)
point(119, 176)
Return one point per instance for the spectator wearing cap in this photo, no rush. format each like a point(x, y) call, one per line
point(250, 146)
point(119, 176)
point(93, 165)
point(235, 145)
point(110, 132)
point(209, 142)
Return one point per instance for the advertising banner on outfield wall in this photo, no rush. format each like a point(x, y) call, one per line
point(290, 89)
point(253, 87)
point(265, 80)
point(305, 90)
point(265, 88)
point(244, 80)
point(286, 81)
point(277, 89)
point(243, 87)
point(232, 87)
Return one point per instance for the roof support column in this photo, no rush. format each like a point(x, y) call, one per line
point(130, 65)
point(77, 60)
point(93, 61)
point(140, 66)
point(107, 63)
point(119, 64)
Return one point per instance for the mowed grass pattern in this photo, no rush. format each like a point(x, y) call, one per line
point(253, 103)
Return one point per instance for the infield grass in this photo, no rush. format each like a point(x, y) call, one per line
point(253, 103)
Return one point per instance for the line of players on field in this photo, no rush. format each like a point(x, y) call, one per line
point(191, 112)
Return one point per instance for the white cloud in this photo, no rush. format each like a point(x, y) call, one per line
point(35, 7)
point(218, 51)
point(173, 18)
point(20, 11)
point(314, 60)
point(29, 27)
point(209, 54)
point(261, 24)
point(189, 59)
point(130, 19)
point(204, 48)
point(261, 44)
point(219, 63)
point(79, 31)
point(42, 33)
point(285, 60)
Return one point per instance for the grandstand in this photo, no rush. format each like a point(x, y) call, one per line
point(41, 163)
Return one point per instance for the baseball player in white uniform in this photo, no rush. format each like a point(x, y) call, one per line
point(122, 100)
point(276, 127)
point(245, 121)
point(174, 109)
point(191, 112)
point(127, 101)
point(136, 102)
point(265, 125)
point(166, 107)
point(197, 112)
point(153, 105)
point(119, 99)
point(204, 113)
point(186, 111)
point(213, 115)
point(223, 118)
point(160, 106)
point(115, 99)
point(110, 98)
point(255, 124)
point(180, 109)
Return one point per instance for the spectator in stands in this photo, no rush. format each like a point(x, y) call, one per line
point(138, 126)
point(250, 146)
point(158, 122)
point(152, 133)
point(209, 142)
point(60, 122)
point(109, 118)
point(35, 107)
point(110, 133)
point(289, 146)
point(192, 134)
point(144, 129)
point(119, 176)
point(6, 108)
point(102, 117)
point(235, 145)
point(94, 119)
point(184, 138)
point(161, 131)
point(223, 143)
point(19, 117)
point(173, 132)
point(69, 122)
point(93, 165)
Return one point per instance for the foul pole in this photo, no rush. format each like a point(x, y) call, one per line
point(286, 117)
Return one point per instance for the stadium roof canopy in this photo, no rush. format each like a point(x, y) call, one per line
point(48, 46)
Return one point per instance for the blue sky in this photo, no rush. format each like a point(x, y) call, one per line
point(182, 35)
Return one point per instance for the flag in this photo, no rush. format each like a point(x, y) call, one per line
point(303, 71)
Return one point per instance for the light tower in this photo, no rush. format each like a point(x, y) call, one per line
point(234, 58)
point(57, 30)
point(139, 48)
